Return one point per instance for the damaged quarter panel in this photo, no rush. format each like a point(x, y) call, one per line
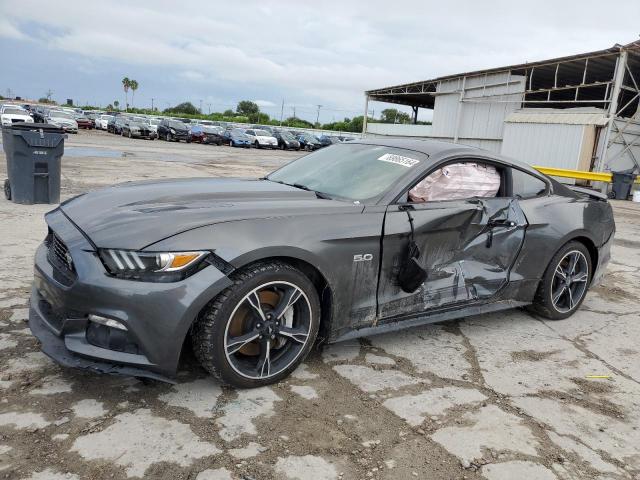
point(553, 221)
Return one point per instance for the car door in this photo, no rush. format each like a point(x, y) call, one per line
point(467, 248)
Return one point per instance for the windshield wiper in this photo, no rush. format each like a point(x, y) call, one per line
point(324, 196)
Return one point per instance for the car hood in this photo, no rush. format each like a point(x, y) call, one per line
point(135, 215)
point(16, 116)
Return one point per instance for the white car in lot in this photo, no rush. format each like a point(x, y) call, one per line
point(153, 124)
point(64, 120)
point(102, 121)
point(261, 138)
point(10, 114)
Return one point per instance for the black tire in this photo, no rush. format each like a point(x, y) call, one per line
point(209, 332)
point(543, 303)
point(257, 145)
point(7, 189)
point(168, 137)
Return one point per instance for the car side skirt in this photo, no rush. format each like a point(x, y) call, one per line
point(400, 323)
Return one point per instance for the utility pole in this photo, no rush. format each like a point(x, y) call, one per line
point(152, 103)
point(200, 105)
point(49, 94)
point(282, 112)
point(209, 106)
point(318, 114)
point(294, 111)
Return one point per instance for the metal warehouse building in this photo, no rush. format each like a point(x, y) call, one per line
point(578, 112)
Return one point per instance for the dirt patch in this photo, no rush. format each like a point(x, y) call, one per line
point(531, 355)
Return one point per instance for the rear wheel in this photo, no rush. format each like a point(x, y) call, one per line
point(257, 331)
point(565, 282)
point(7, 189)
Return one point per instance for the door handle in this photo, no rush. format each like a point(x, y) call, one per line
point(491, 224)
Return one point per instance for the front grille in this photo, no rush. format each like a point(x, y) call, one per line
point(59, 256)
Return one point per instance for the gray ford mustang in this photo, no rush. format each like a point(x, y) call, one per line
point(333, 246)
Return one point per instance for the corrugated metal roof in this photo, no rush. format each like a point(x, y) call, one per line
point(573, 116)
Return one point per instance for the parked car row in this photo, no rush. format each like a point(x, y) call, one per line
point(168, 129)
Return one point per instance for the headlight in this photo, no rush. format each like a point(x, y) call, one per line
point(151, 266)
point(172, 131)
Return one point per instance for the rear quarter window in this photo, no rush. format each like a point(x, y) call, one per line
point(525, 185)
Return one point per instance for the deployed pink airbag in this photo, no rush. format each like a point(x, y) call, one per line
point(457, 181)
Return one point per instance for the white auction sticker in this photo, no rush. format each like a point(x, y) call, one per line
point(399, 160)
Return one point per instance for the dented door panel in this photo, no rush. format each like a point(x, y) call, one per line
point(467, 248)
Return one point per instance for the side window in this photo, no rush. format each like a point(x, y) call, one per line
point(525, 185)
point(458, 181)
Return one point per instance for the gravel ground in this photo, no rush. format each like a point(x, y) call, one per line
point(499, 396)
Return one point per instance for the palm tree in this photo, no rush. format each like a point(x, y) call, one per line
point(116, 104)
point(133, 85)
point(126, 83)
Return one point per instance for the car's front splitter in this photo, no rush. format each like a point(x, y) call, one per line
point(55, 348)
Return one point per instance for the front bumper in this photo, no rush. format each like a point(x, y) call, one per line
point(157, 315)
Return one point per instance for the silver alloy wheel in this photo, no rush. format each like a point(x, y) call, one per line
point(570, 281)
point(272, 325)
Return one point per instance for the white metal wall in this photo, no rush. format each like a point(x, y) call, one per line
point(549, 145)
point(479, 118)
point(408, 130)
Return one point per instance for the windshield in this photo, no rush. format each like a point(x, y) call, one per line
point(287, 136)
point(14, 111)
point(350, 171)
point(61, 115)
point(261, 133)
point(177, 125)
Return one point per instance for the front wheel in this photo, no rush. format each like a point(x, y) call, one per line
point(257, 331)
point(7, 189)
point(564, 285)
point(168, 137)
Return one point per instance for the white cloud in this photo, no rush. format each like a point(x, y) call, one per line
point(264, 103)
point(329, 54)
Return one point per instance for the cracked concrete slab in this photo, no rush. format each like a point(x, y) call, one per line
point(430, 349)
point(488, 428)
point(139, 439)
point(303, 373)
point(50, 474)
point(618, 437)
point(305, 468)
point(89, 408)
point(239, 414)
point(582, 428)
point(583, 452)
point(378, 359)
point(517, 469)
point(215, 474)
point(304, 391)
point(415, 408)
point(52, 385)
point(370, 380)
point(200, 396)
point(23, 420)
point(340, 352)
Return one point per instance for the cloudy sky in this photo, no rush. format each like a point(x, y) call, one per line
point(305, 53)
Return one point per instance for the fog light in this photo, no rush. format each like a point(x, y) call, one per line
point(107, 322)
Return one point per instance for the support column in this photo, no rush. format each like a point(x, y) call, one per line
point(366, 114)
point(415, 115)
point(459, 112)
point(618, 79)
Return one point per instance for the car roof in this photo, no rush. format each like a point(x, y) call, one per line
point(437, 149)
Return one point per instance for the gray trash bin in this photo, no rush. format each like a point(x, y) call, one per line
point(622, 183)
point(33, 154)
